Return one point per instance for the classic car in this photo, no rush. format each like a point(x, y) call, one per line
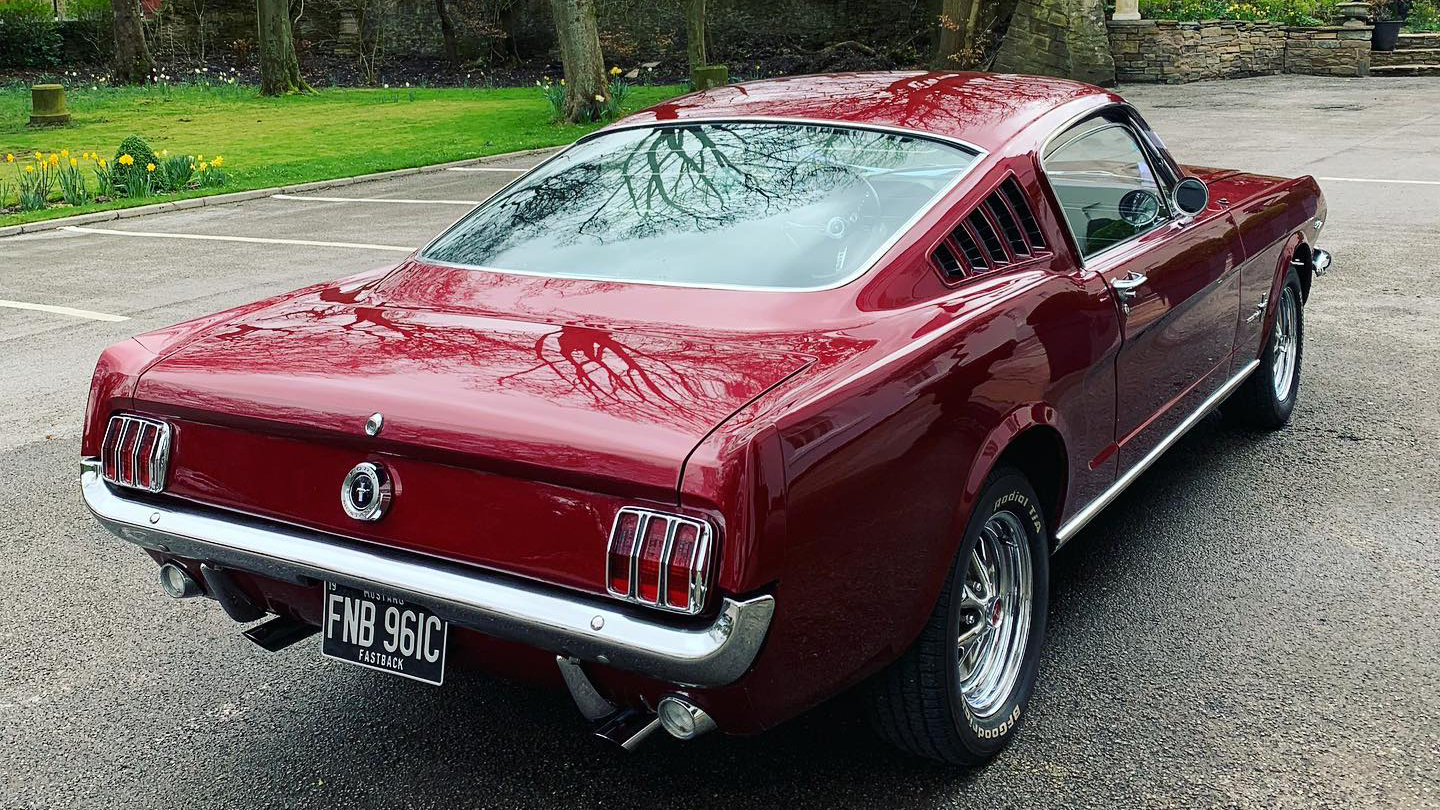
point(760, 394)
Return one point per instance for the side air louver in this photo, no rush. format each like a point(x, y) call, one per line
point(1001, 230)
point(659, 559)
point(1021, 207)
point(136, 453)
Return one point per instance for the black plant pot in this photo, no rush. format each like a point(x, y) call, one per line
point(1386, 35)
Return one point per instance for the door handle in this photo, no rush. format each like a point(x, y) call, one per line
point(1125, 288)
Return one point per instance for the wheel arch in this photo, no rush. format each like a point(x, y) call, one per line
point(1031, 440)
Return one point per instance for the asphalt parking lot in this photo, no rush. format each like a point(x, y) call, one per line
point(1256, 623)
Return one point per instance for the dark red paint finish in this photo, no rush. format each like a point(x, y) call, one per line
point(837, 438)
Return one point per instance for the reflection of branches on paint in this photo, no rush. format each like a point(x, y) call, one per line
point(616, 376)
point(685, 178)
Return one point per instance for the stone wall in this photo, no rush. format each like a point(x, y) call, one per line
point(1328, 51)
point(1174, 52)
point(1058, 38)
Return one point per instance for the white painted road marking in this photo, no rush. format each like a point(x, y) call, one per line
point(1374, 180)
point(254, 239)
point(471, 203)
point(78, 313)
point(484, 169)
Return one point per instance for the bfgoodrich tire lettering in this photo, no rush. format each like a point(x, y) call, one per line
point(936, 702)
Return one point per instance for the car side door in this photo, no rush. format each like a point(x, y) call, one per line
point(1173, 277)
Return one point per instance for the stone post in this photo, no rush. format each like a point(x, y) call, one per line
point(1126, 10)
point(47, 106)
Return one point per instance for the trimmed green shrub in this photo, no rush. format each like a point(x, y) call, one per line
point(29, 35)
point(135, 147)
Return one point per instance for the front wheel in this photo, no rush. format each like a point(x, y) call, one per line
point(1267, 399)
point(958, 694)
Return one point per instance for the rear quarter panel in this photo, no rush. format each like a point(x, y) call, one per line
point(864, 483)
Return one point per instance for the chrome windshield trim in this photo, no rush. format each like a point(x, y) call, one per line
point(567, 623)
point(860, 272)
point(1084, 516)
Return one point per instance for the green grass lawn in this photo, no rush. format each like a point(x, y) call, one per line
point(293, 139)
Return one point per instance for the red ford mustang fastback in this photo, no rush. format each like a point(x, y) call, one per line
point(752, 397)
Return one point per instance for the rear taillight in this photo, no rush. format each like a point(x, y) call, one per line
point(659, 559)
point(135, 453)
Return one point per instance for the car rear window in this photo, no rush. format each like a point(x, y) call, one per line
point(750, 205)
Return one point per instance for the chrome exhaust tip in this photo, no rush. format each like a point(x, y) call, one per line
point(627, 728)
point(683, 719)
point(177, 583)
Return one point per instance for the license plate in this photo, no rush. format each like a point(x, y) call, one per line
point(382, 632)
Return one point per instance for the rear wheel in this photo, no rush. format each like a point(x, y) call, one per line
point(959, 692)
point(1267, 399)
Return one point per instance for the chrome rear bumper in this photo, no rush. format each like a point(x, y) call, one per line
point(564, 622)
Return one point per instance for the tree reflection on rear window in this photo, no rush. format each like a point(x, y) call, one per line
point(764, 205)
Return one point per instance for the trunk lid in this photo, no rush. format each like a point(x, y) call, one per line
point(511, 441)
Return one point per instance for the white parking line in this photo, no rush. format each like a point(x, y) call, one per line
point(471, 203)
point(1376, 180)
point(254, 239)
point(78, 313)
point(484, 169)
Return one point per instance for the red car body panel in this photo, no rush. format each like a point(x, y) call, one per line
point(836, 438)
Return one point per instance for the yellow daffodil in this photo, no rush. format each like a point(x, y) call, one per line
point(149, 167)
point(103, 162)
point(39, 157)
point(219, 160)
point(9, 157)
point(126, 160)
point(65, 153)
point(562, 82)
point(615, 71)
point(54, 158)
point(599, 98)
point(164, 153)
point(29, 168)
point(74, 162)
point(204, 165)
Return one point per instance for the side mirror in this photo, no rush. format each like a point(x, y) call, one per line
point(1191, 196)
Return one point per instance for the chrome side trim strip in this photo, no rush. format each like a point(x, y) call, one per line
point(567, 623)
point(1084, 516)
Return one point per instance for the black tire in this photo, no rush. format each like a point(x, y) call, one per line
point(916, 704)
point(1256, 404)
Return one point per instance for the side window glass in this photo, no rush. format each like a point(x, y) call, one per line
point(1106, 188)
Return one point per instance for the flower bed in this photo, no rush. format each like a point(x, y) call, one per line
point(1424, 15)
point(60, 178)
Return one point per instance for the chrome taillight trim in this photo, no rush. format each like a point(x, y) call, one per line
point(697, 566)
point(117, 433)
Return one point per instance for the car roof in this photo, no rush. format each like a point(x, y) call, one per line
point(984, 109)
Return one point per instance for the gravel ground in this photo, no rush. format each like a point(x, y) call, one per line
point(1253, 624)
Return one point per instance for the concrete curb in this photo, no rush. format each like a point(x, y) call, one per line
point(242, 196)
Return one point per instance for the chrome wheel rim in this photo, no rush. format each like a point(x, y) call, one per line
point(1287, 338)
point(995, 609)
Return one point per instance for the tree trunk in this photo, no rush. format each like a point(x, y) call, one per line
point(695, 33)
point(279, 68)
point(960, 34)
point(132, 56)
point(447, 31)
point(585, 89)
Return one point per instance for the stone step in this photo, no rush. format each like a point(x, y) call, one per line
point(1413, 56)
point(1405, 70)
point(1425, 40)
